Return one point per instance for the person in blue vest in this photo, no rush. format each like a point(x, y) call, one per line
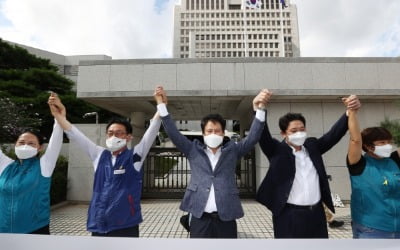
point(25, 182)
point(212, 197)
point(375, 181)
point(114, 209)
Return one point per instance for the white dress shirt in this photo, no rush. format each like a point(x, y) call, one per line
point(211, 205)
point(305, 190)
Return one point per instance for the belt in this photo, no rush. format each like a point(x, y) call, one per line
point(211, 215)
point(308, 207)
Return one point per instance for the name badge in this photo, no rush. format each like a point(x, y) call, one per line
point(119, 171)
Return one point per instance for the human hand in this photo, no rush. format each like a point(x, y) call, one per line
point(160, 95)
point(56, 106)
point(262, 99)
point(352, 102)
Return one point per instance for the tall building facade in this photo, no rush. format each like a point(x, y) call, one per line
point(227, 28)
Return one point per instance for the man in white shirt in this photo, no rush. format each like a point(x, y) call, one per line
point(296, 183)
point(115, 206)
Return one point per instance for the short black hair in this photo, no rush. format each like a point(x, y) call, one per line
point(123, 122)
point(285, 120)
point(369, 135)
point(215, 118)
point(39, 137)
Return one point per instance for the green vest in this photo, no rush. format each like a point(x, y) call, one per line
point(375, 198)
point(24, 197)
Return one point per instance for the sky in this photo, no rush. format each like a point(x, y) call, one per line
point(129, 29)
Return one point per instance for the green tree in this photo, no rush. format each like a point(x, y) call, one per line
point(25, 82)
point(14, 119)
point(394, 127)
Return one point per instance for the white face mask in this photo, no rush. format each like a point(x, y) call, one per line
point(25, 152)
point(383, 151)
point(114, 143)
point(213, 140)
point(297, 138)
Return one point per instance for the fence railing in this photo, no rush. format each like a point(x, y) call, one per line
point(167, 173)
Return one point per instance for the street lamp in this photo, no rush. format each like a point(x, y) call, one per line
point(92, 114)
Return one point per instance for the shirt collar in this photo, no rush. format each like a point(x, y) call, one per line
point(303, 149)
point(208, 150)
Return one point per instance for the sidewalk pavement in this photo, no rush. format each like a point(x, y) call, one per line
point(161, 220)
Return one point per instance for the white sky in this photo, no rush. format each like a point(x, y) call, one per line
point(144, 29)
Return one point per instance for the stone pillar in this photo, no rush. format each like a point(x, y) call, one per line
point(138, 130)
point(245, 122)
point(80, 166)
point(138, 127)
point(261, 162)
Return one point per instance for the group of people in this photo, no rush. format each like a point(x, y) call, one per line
point(295, 188)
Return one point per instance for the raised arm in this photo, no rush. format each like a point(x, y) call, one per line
point(339, 129)
point(259, 104)
point(267, 143)
point(143, 147)
point(4, 161)
point(49, 158)
point(355, 143)
point(72, 132)
point(180, 141)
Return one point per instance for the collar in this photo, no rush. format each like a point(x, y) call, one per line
point(303, 149)
point(207, 149)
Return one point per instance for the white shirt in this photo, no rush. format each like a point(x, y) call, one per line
point(211, 205)
point(305, 190)
point(94, 151)
point(48, 159)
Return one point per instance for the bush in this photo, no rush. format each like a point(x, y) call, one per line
point(394, 127)
point(58, 192)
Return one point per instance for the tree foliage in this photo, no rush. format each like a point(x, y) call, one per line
point(394, 127)
point(25, 82)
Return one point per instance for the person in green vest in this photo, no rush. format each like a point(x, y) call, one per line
point(375, 181)
point(25, 182)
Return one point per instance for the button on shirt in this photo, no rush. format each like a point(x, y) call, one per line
point(305, 189)
point(211, 205)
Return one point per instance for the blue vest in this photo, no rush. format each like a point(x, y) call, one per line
point(116, 196)
point(375, 198)
point(24, 197)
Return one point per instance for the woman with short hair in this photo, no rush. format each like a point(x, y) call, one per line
point(25, 182)
point(375, 181)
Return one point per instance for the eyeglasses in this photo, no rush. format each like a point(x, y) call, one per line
point(115, 133)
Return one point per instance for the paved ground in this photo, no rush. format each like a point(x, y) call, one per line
point(161, 220)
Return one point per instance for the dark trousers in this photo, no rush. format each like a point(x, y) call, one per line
point(301, 222)
point(210, 226)
point(125, 232)
point(43, 230)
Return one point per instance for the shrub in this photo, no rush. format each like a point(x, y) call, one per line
point(58, 192)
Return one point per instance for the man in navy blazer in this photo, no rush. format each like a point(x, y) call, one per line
point(296, 183)
point(212, 197)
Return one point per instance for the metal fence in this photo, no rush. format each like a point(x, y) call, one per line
point(167, 173)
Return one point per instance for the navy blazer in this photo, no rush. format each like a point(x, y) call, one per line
point(275, 188)
point(223, 177)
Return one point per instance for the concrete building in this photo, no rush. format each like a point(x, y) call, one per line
point(312, 86)
point(197, 87)
point(227, 29)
